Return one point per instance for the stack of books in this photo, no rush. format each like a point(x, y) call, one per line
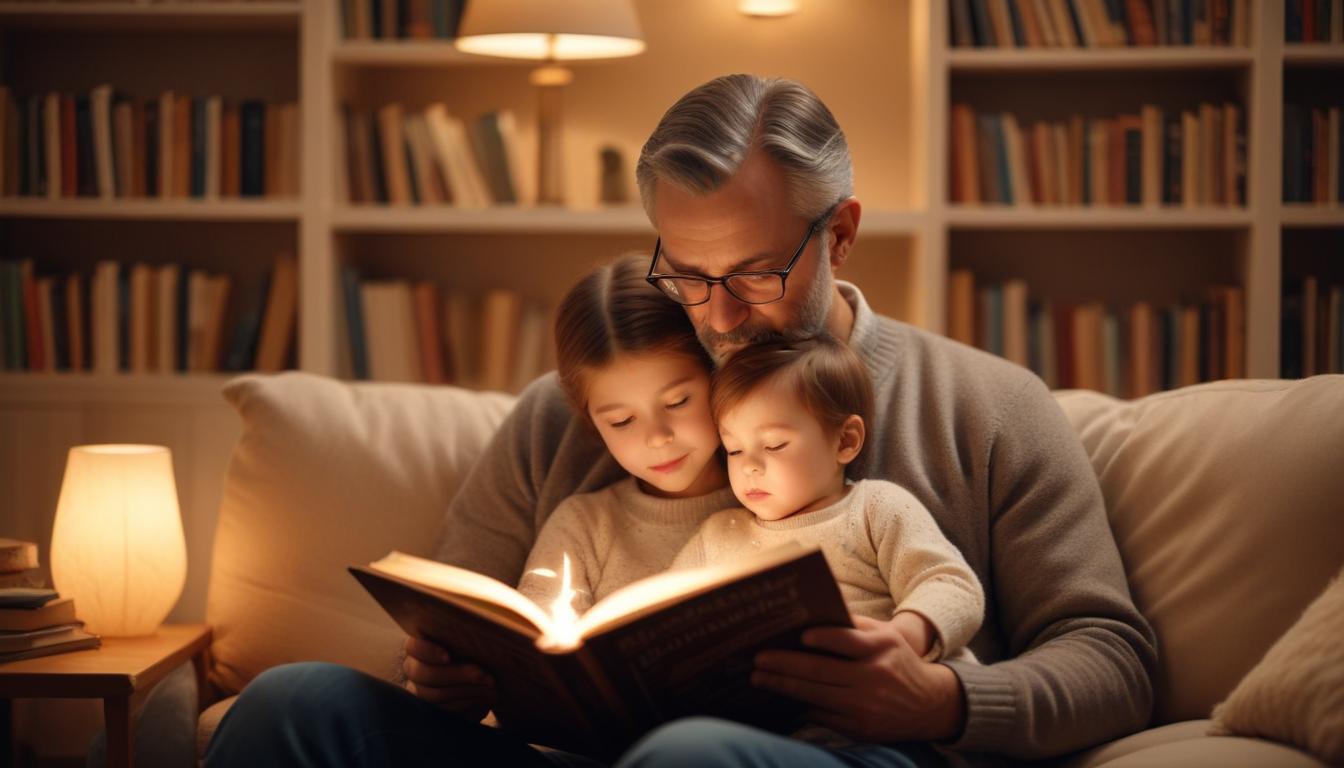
point(403, 330)
point(143, 318)
point(432, 157)
point(1313, 21)
point(34, 621)
point(400, 19)
point(108, 144)
point(1313, 163)
point(1194, 157)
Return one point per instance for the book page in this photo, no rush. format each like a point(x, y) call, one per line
point(482, 591)
point(647, 595)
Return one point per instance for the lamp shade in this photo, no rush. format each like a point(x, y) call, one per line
point(117, 546)
point(547, 29)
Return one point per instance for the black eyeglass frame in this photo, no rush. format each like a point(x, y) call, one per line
point(652, 278)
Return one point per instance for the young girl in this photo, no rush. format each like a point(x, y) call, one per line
point(628, 358)
point(792, 417)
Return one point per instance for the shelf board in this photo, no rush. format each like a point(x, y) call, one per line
point(196, 16)
point(1014, 60)
point(1314, 54)
point(112, 388)
point(149, 210)
point(1042, 217)
point(401, 53)
point(1308, 215)
point(623, 220)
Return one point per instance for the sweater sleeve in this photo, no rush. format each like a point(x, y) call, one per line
point(568, 531)
point(1079, 655)
point(925, 572)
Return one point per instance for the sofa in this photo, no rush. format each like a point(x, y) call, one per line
point(1226, 500)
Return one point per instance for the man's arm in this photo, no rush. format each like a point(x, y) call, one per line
point(1079, 654)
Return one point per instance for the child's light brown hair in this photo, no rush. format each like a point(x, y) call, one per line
point(825, 374)
point(612, 311)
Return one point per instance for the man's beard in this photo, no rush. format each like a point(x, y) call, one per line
point(811, 320)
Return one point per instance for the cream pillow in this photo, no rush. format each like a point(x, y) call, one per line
point(325, 475)
point(1296, 693)
point(1225, 500)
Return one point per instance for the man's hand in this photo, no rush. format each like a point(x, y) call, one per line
point(879, 691)
point(462, 689)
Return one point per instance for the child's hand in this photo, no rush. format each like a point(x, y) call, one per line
point(462, 689)
point(916, 630)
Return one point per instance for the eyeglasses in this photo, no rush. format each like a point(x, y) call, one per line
point(761, 286)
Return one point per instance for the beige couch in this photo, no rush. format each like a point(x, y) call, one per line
point(1227, 501)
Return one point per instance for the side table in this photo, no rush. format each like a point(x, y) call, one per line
point(119, 672)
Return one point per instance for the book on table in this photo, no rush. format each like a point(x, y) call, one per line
point(676, 644)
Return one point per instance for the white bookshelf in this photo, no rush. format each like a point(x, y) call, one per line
point(151, 210)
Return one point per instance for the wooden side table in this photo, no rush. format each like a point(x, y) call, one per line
point(120, 672)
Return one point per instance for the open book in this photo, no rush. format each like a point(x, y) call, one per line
point(679, 643)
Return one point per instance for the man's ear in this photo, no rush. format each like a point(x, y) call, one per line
point(844, 227)
point(851, 439)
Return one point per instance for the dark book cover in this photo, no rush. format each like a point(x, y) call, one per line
point(123, 319)
point(412, 178)
point(1087, 164)
point(1171, 347)
point(377, 13)
point(242, 352)
point(1133, 166)
point(354, 314)
point(1064, 357)
point(253, 118)
point(1292, 21)
point(60, 326)
point(183, 336)
point(1290, 334)
point(984, 28)
point(1292, 151)
point(986, 164)
point(1115, 12)
point(488, 142)
point(152, 141)
point(1076, 23)
point(1002, 172)
point(962, 30)
point(198, 129)
point(687, 652)
point(12, 293)
point(376, 152)
point(25, 137)
point(1015, 18)
point(86, 178)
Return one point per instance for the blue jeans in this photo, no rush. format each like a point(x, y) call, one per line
point(316, 714)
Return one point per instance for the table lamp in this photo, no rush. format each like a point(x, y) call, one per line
point(550, 31)
point(117, 546)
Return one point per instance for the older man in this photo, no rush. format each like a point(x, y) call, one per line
point(748, 182)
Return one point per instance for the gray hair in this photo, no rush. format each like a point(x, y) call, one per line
point(704, 138)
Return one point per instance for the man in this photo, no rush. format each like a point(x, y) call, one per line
point(734, 175)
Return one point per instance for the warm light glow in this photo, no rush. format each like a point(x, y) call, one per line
point(526, 45)
point(768, 8)
point(117, 546)
point(564, 621)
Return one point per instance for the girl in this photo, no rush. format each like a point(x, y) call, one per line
point(628, 358)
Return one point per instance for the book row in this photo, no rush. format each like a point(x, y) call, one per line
point(1311, 337)
point(406, 19)
point(106, 144)
point(431, 157)
point(1313, 21)
point(401, 330)
point(1099, 23)
point(1313, 163)
point(145, 319)
point(1196, 157)
point(1128, 351)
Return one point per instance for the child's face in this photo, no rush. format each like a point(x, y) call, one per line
point(780, 460)
point(652, 411)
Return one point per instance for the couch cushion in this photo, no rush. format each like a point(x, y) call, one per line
point(1296, 693)
point(1225, 500)
point(1220, 751)
point(326, 475)
point(208, 723)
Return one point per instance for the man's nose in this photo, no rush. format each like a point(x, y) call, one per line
point(725, 311)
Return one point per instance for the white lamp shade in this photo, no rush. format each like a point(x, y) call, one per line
point(542, 29)
point(767, 8)
point(117, 546)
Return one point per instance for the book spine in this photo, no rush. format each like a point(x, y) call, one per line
point(354, 313)
point(253, 115)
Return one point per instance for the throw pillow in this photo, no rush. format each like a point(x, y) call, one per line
point(1296, 693)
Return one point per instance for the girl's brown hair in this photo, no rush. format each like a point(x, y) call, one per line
point(613, 310)
point(825, 374)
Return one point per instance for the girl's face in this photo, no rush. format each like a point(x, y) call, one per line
point(652, 411)
point(780, 460)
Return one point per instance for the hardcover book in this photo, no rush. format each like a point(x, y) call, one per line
point(676, 644)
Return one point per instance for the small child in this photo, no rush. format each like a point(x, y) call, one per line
point(792, 416)
point(628, 359)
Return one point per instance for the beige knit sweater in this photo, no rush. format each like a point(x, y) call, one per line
point(885, 552)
